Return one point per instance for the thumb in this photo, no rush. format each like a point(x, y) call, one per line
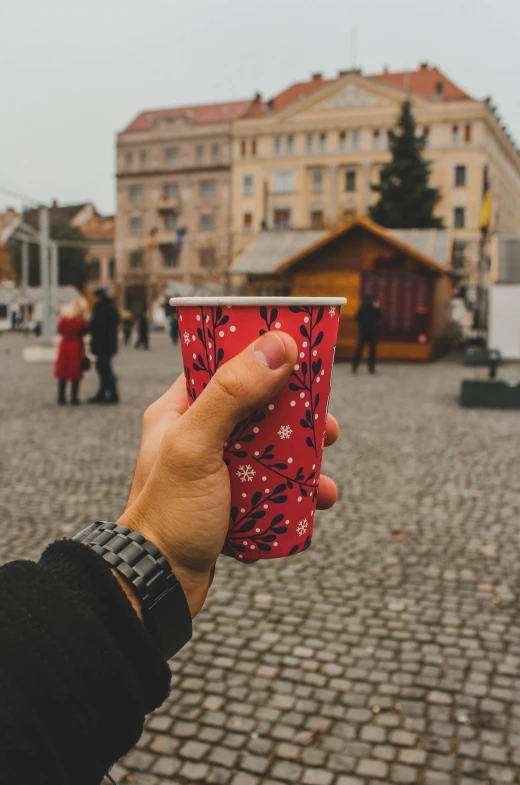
point(239, 387)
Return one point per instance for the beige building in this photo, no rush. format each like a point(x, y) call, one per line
point(307, 158)
point(173, 199)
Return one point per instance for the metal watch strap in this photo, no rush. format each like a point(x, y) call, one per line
point(166, 613)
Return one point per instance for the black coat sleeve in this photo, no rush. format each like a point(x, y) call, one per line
point(78, 670)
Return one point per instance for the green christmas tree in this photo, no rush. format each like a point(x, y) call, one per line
point(406, 200)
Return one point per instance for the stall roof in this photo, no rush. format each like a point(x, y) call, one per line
point(34, 294)
point(275, 251)
point(271, 249)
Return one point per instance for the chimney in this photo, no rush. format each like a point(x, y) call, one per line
point(317, 77)
point(258, 98)
point(55, 203)
point(385, 70)
point(423, 66)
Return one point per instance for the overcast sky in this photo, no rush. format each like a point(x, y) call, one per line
point(74, 73)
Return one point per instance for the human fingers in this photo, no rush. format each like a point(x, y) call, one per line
point(172, 403)
point(327, 493)
point(245, 383)
point(158, 417)
point(331, 430)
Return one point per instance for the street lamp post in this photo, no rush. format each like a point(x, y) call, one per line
point(45, 274)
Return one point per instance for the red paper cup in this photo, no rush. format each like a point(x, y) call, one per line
point(274, 457)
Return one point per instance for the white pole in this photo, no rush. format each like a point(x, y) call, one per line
point(25, 280)
point(54, 280)
point(44, 274)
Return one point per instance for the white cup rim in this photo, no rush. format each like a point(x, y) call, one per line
point(244, 301)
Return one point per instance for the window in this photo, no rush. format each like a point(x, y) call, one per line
point(290, 144)
point(356, 139)
point(243, 148)
point(207, 189)
point(459, 217)
point(170, 191)
point(247, 222)
point(200, 154)
point(142, 159)
point(467, 134)
point(170, 221)
point(455, 136)
point(350, 180)
point(171, 156)
point(253, 148)
point(323, 143)
point(136, 224)
point(342, 143)
point(277, 145)
point(207, 222)
point(136, 193)
point(317, 219)
point(129, 160)
point(207, 258)
point(426, 136)
point(282, 219)
point(377, 140)
point(283, 183)
point(459, 255)
point(317, 181)
point(94, 269)
point(111, 268)
point(215, 153)
point(248, 185)
point(460, 177)
point(170, 254)
point(136, 259)
point(310, 143)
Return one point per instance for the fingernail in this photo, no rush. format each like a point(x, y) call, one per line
point(271, 350)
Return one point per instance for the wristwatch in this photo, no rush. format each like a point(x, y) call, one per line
point(165, 610)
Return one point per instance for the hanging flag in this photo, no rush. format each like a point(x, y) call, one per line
point(485, 212)
point(152, 239)
point(179, 237)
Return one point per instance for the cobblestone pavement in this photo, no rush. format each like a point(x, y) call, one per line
point(387, 653)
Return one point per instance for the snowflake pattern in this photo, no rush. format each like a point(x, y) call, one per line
point(246, 473)
point(186, 337)
point(285, 431)
point(301, 529)
point(332, 311)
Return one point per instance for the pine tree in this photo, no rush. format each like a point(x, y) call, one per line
point(406, 200)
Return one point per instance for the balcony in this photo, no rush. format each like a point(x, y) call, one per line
point(169, 205)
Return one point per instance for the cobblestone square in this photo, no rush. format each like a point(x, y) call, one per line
point(388, 652)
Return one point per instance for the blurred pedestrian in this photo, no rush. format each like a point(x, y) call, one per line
point(103, 344)
point(143, 331)
point(174, 329)
point(72, 326)
point(368, 317)
point(128, 323)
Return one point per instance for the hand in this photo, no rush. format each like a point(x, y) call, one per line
point(180, 497)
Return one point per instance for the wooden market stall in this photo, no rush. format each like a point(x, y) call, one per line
point(361, 257)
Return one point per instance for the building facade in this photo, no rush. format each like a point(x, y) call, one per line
point(307, 158)
point(174, 199)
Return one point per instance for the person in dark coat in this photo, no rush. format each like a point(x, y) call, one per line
point(143, 332)
point(368, 318)
point(128, 323)
point(72, 327)
point(174, 329)
point(103, 344)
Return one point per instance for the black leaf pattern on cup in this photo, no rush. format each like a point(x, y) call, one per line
point(268, 317)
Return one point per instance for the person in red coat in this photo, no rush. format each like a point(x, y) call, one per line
point(72, 326)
